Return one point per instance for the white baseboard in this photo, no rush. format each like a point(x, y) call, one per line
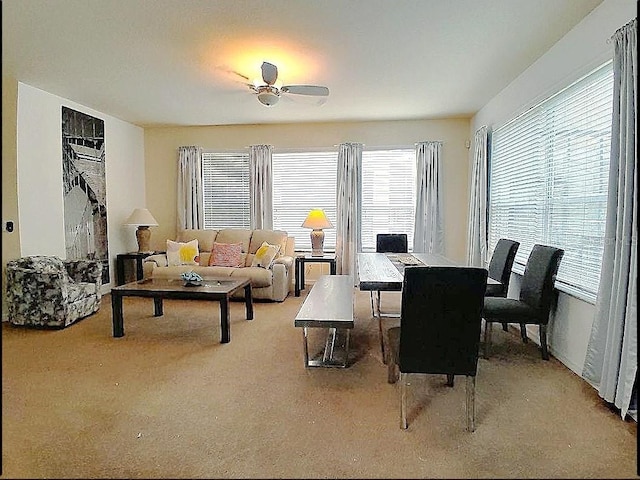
point(533, 336)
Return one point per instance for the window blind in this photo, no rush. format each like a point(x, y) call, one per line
point(388, 194)
point(226, 190)
point(302, 181)
point(548, 180)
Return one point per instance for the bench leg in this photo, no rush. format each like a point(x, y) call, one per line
point(346, 349)
point(327, 356)
point(306, 347)
point(329, 345)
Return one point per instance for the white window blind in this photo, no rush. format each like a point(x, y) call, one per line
point(302, 181)
point(388, 194)
point(226, 190)
point(549, 170)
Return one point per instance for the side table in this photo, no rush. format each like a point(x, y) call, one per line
point(329, 258)
point(138, 257)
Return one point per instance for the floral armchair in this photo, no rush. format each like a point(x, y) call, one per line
point(46, 291)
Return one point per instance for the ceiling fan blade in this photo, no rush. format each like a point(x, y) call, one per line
point(315, 90)
point(269, 73)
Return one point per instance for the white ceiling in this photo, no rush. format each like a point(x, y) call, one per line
point(167, 62)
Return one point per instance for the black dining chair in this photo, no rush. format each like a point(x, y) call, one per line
point(500, 268)
point(439, 330)
point(391, 243)
point(387, 243)
point(536, 297)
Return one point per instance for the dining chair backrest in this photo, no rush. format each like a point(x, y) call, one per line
point(538, 279)
point(391, 243)
point(502, 262)
point(440, 319)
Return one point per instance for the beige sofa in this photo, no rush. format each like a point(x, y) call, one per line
point(273, 283)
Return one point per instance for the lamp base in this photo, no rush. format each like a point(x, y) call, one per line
point(317, 240)
point(143, 235)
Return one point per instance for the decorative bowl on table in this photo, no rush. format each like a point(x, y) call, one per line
point(191, 279)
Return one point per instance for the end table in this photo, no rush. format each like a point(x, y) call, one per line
point(329, 258)
point(138, 257)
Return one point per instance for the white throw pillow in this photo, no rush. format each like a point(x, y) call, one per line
point(265, 255)
point(179, 253)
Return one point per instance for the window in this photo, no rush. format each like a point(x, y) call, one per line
point(388, 194)
point(549, 170)
point(226, 190)
point(302, 181)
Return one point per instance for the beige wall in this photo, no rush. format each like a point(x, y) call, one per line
point(32, 174)
point(161, 146)
point(40, 189)
point(10, 241)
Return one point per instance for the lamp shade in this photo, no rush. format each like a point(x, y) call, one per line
point(141, 217)
point(317, 220)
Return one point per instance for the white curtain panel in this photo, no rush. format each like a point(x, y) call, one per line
point(261, 186)
point(477, 233)
point(348, 199)
point(190, 193)
point(428, 234)
point(611, 360)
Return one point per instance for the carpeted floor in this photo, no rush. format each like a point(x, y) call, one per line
point(169, 401)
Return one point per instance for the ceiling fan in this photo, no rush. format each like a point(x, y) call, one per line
point(269, 94)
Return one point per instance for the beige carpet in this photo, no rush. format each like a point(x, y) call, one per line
point(169, 401)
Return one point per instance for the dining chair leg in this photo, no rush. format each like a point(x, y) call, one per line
point(373, 312)
point(392, 370)
point(487, 338)
point(380, 334)
point(543, 342)
point(471, 403)
point(523, 333)
point(403, 401)
point(449, 380)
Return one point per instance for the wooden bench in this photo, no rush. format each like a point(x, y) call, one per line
point(329, 305)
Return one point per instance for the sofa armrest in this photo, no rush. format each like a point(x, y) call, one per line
point(285, 260)
point(288, 263)
point(159, 259)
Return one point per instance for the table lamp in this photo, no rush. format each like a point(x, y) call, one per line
point(317, 220)
point(143, 219)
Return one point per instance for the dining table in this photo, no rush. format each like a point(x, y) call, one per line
point(384, 272)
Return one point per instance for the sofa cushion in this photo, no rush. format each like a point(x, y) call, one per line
point(260, 277)
point(182, 253)
point(227, 255)
point(274, 237)
point(235, 235)
point(208, 272)
point(171, 271)
point(265, 255)
point(204, 272)
point(205, 238)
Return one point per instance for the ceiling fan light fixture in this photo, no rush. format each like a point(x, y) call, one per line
point(268, 97)
point(268, 91)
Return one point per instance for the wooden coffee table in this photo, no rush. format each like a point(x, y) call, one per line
point(216, 289)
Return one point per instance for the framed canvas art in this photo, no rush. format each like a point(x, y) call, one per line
point(84, 184)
